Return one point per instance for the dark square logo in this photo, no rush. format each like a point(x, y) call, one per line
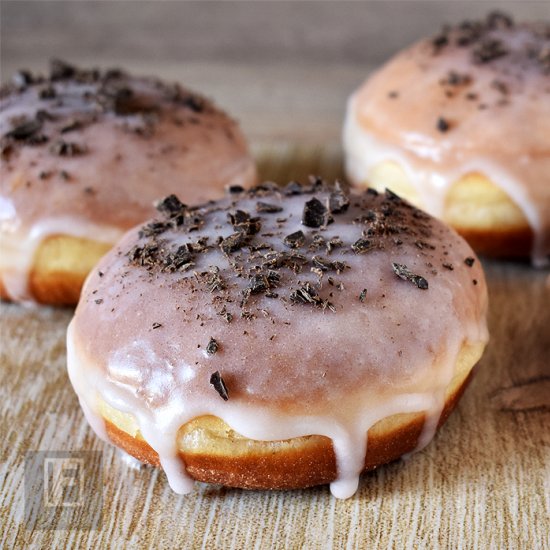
point(63, 490)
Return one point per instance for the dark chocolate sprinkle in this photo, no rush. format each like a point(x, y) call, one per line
point(219, 385)
point(67, 149)
point(469, 261)
point(268, 208)
point(443, 125)
point(403, 272)
point(212, 347)
point(315, 213)
point(362, 245)
point(295, 240)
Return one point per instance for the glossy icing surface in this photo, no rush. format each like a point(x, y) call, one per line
point(475, 98)
point(88, 149)
point(327, 313)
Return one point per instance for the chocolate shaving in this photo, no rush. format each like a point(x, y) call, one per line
point(60, 70)
point(25, 130)
point(443, 125)
point(292, 260)
point(219, 385)
point(268, 208)
point(170, 206)
point(212, 347)
point(403, 272)
point(243, 223)
point(235, 189)
point(327, 265)
point(308, 295)
point(363, 295)
point(315, 214)
point(234, 242)
point(361, 246)
point(338, 202)
point(488, 50)
point(67, 149)
point(295, 240)
point(156, 325)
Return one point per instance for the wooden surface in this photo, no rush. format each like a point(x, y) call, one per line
point(482, 483)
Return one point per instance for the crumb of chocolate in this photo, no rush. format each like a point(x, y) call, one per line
point(443, 124)
point(307, 294)
point(268, 208)
point(338, 202)
point(65, 175)
point(217, 381)
point(99, 301)
point(448, 266)
point(363, 295)
point(67, 149)
point(403, 272)
point(235, 189)
point(212, 346)
point(361, 246)
point(315, 213)
point(295, 240)
point(488, 50)
point(469, 261)
point(170, 206)
point(156, 325)
point(234, 242)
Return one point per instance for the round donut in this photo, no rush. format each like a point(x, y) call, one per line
point(459, 124)
point(84, 155)
point(278, 338)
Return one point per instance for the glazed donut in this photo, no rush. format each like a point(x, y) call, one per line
point(459, 124)
point(255, 341)
point(84, 154)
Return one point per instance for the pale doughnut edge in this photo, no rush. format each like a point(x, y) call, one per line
point(60, 266)
point(491, 222)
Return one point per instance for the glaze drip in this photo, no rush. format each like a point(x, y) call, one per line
point(298, 351)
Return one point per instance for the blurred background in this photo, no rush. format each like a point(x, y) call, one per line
point(284, 69)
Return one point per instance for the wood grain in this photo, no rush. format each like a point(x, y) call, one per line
point(482, 483)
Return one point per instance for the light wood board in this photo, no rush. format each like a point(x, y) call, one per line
point(482, 483)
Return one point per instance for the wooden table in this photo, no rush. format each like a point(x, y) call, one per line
point(482, 483)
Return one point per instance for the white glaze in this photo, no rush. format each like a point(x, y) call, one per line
point(365, 151)
point(362, 363)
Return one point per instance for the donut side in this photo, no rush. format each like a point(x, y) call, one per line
point(478, 209)
point(60, 266)
point(214, 453)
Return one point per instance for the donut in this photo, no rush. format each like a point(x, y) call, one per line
point(83, 156)
point(459, 124)
point(278, 338)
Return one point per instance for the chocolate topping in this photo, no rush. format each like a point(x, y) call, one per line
point(403, 272)
point(219, 385)
point(97, 93)
point(315, 213)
